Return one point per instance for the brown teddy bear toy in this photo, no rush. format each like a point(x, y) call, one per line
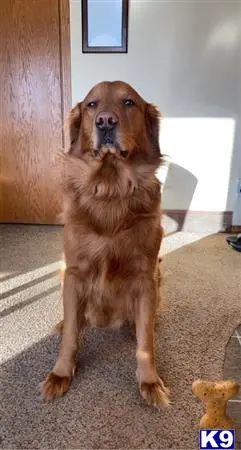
point(215, 396)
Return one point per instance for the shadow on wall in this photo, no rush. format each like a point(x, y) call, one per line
point(179, 186)
point(233, 202)
point(205, 147)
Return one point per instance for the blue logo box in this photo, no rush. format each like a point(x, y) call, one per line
point(216, 439)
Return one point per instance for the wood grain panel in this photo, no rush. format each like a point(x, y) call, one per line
point(30, 110)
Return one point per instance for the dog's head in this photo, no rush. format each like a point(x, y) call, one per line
point(114, 120)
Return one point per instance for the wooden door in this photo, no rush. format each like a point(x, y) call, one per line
point(34, 98)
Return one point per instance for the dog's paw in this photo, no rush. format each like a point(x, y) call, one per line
point(155, 394)
point(55, 386)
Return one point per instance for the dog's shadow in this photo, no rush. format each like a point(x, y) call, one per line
point(103, 389)
point(102, 350)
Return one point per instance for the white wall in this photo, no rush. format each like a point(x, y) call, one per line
point(184, 56)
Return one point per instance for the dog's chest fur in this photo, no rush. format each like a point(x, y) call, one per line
point(111, 268)
point(113, 243)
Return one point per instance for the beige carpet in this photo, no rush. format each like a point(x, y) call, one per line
point(232, 369)
point(201, 308)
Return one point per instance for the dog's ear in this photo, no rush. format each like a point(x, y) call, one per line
point(74, 120)
point(72, 127)
point(153, 116)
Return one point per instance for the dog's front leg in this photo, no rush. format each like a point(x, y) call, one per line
point(59, 379)
point(151, 386)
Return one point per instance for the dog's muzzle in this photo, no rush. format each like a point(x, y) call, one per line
point(106, 123)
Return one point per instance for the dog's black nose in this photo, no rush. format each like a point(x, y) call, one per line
point(106, 121)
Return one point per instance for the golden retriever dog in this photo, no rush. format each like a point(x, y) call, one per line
point(112, 231)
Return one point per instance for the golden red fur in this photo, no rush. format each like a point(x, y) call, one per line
point(112, 232)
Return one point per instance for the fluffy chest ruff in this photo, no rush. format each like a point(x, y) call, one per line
point(112, 236)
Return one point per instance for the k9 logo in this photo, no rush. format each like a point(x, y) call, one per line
point(217, 439)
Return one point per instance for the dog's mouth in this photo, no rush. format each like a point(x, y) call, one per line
point(110, 149)
point(107, 146)
point(106, 137)
point(108, 141)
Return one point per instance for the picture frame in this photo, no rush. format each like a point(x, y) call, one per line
point(105, 26)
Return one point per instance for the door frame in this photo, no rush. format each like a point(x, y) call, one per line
point(65, 65)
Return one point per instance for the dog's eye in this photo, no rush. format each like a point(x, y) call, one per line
point(92, 104)
point(128, 102)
